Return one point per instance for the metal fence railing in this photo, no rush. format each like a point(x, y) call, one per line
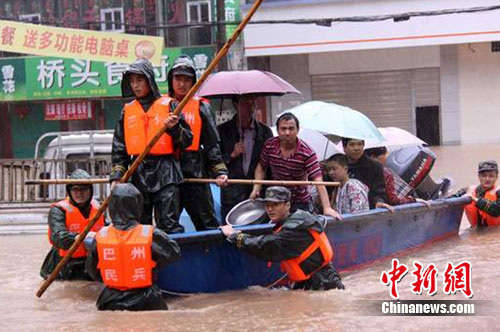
point(14, 173)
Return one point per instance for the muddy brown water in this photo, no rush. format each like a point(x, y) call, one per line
point(70, 306)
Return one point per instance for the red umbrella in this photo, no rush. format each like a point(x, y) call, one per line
point(231, 83)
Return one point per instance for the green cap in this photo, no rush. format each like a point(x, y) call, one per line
point(488, 165)
point(276, 194)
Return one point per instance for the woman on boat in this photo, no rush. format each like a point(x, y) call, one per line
point(484, 210)
point(366, 170)
point(299, 242)
point(67, 219)
point(124, 254)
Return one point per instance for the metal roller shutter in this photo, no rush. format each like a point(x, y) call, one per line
point(385, 97)
point(426, 86)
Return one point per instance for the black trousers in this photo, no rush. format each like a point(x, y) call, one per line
point(199, 204)
point(165, 203)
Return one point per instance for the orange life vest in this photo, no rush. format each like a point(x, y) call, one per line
point(140, 127)
point(478, 217)
point(292, 266)
point(192, 116)
point(76, 222)
point(191, 112)
point(125, 259)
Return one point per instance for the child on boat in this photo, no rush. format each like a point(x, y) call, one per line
point(484, 210)
point(352, 195)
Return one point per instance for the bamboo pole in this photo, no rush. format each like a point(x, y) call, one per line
point(196, 180)
point(223, 51)
point(267, 182)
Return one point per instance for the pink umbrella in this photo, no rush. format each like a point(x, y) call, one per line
point(230, 83)
point(394, 139)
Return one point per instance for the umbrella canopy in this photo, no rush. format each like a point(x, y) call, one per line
point(337, 120)
point(231, 83)
point(394, 139)
point(323, 147)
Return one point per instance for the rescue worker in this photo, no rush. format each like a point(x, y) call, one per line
point(203, 157)
point(125, 254)
point(159, 175)
point(299, 242)
point(484, 210)
point(68, 218)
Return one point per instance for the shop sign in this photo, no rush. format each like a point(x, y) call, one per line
point(82, 44)
point(78, 110)
point(43, 78)
point(232, 13)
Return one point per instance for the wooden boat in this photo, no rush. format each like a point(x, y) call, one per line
point(211, 264)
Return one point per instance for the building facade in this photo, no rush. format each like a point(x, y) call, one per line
point(436, 76)
point(43, 94)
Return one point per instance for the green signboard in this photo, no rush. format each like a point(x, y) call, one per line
point(232, 13)
point(42, 78)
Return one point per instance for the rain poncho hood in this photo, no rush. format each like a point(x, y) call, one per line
point(183, 63)
point(142, 67)
point(79, 174)
point(125, 206)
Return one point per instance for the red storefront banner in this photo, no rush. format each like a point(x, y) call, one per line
point(80, 110)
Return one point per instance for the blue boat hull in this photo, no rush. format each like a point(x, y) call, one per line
point(210, 264)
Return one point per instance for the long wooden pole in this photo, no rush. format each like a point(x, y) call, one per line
point(223, 51)
point(193, 180)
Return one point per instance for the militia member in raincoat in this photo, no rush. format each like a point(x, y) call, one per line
point(484, 210)
point(299, 243)
point(203, 157)
point(68, 218)
point(125, 254)
point(159, 175)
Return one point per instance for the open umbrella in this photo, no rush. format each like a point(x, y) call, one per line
point(323, 147)
point(236, 83)
point(337, 120)
point(394, 139)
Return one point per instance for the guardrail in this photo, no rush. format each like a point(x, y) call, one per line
point(13, 173)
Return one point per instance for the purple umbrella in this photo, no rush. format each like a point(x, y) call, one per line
point(230, 83)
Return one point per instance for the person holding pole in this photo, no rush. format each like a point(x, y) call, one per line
point(290, 158)
point(67, 219)
point(157, 136)
point(125, 254)
point(203, 157)
point(159, 175)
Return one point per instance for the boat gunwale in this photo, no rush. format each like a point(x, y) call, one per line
point(195, 238)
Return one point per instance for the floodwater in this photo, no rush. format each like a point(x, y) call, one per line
point(70, 306)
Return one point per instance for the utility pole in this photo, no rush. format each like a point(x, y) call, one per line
point(221, 31)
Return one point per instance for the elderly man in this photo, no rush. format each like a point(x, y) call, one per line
point(242, 140)
point(290, 158)
point(295, 235)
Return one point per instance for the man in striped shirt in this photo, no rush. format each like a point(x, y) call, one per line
point(289, 158)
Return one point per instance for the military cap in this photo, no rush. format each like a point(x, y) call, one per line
point(488, 165)
point(276, 194)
